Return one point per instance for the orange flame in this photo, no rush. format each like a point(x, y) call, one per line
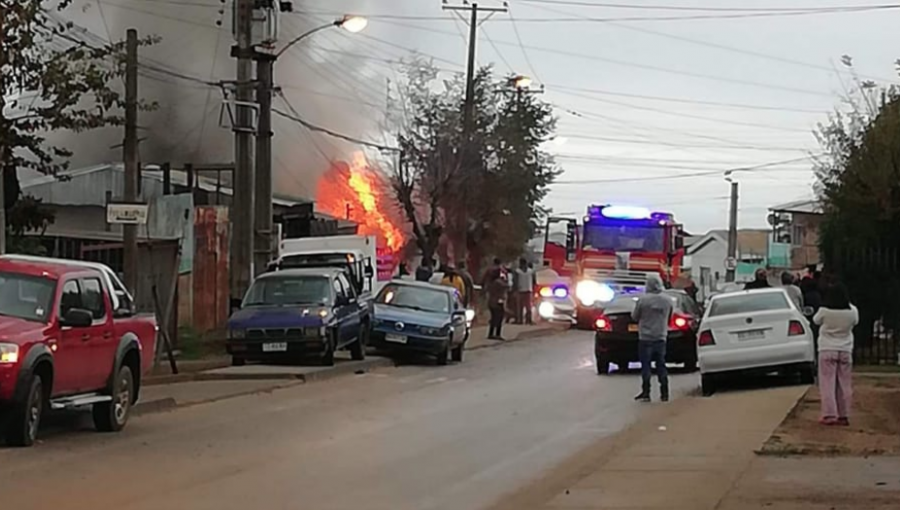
point(355, 192)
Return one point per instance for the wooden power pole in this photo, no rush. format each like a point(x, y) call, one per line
point(130, 157)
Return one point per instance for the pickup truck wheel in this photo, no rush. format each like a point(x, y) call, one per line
point(358, 348)
point(112, 416)
point(329, 347)
point(25, 418)
point(443, 357)
point(237, 361)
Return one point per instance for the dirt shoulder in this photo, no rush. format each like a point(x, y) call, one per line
point(874, 424)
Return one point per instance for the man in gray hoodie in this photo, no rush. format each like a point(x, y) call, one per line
point(652, 312)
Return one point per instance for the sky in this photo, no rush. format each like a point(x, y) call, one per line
point(651, 112)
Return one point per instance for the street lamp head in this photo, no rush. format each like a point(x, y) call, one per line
point(353, 24)
point(521, 82)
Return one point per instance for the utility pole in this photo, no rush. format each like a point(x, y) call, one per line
point(467, 155)
point(732, 231)
point(242, 212)
point(263, 209)
point(130, 157)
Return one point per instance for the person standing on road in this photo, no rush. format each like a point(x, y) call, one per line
point(760, 280)
point(652, 313)
point(793, 291)
point(468, 281)
point(425, 270)
point(836, 318)
point(496, 290)
point(524, 289)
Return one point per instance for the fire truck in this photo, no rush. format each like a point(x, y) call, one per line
point(611, 252)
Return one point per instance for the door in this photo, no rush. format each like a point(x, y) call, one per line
point(341, 310)
point(102, 344)
point(353, 310)
point(72, 358)
point(459, 319)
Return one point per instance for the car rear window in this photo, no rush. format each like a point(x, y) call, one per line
point(748, 303)
point(627, 302)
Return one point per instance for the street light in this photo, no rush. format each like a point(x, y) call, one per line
point(520, 82)
point(352, 24)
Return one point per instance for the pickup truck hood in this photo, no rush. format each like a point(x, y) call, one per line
point(389, 314)
point(276, 317)
point(12, 329)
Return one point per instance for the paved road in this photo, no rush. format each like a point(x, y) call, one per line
point(416, 437)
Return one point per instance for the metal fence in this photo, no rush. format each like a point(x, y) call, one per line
point(863, 268)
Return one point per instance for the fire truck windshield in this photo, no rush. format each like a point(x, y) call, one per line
point(624, 238)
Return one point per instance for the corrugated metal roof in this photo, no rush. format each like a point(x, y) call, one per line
point(799, 206)
point(88, 186)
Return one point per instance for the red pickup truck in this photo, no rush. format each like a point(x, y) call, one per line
point(69, 338)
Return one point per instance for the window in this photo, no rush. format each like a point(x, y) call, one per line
point(624, 238)
point(799, 232)
point(348, 289)
point(92, 297)
point(749, 303)
point(70, 298)
point(26, 297)
point(280, 290)
point(415, 298)
point(338, 288)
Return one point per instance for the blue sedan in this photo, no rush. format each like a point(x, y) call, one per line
point(420, 317)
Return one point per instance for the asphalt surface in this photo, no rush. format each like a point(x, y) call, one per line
point(414, 437)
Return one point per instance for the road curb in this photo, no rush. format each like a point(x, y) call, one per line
point(524, 335)
point(769, 447)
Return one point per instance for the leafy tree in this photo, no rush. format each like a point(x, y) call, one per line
point(50, 81)
point(501, 181)
point(859, 187)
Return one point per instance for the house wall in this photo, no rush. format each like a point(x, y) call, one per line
point(805, 239)
point(709, 260)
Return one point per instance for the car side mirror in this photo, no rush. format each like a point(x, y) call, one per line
point(77, 318)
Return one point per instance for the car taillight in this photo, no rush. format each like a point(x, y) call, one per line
point(680, 322)
point(796, 329)
point(602, 324)
point(706, 338)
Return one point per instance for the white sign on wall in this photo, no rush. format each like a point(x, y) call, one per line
point(127, 214)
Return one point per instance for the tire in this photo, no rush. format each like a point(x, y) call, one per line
point(443, 357)
point(457, 354)
point(708, 385)
point(602, 365)
point(113, 416)
point(25, 418)
point(358, 348)
point(808, 374)
point(237, 361)
point(327, 358)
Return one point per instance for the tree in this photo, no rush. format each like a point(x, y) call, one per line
point(501, 190)
point(51, 80)
point(859, 187)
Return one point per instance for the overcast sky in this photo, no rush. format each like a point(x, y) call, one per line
point(632, 95)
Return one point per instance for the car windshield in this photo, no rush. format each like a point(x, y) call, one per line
point(623, 238)
point(289, 290)
point(748, 303)
point(26, 297)
point(415, 298)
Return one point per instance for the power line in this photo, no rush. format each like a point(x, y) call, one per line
point(522, 46)
point(334, 134)
point(670, 7)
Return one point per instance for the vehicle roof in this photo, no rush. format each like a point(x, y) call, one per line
point(323, 272)
point(423, 285)
point(733, 293)
point(337, 251)
point(44, 266)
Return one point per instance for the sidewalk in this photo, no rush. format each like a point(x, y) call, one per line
point(215, 379)
point(687, 455)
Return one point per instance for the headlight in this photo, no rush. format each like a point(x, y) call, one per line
point(470, 315)
point(590, 292)
point(546, 310)
point(9, 354)
point(237, 333)
point(430, 331)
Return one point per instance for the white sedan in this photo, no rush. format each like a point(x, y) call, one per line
point(754, 331)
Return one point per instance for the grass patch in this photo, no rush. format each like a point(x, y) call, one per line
point(195, 346)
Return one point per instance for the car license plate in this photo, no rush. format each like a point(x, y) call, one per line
point(754, 334)
point(275, 347)
point(633, 328)
point(397, 339)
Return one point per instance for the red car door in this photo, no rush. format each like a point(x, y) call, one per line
point(72, 354)
point(102, 344)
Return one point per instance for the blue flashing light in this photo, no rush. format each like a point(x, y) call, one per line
point(624, 212)
point(561, 292)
